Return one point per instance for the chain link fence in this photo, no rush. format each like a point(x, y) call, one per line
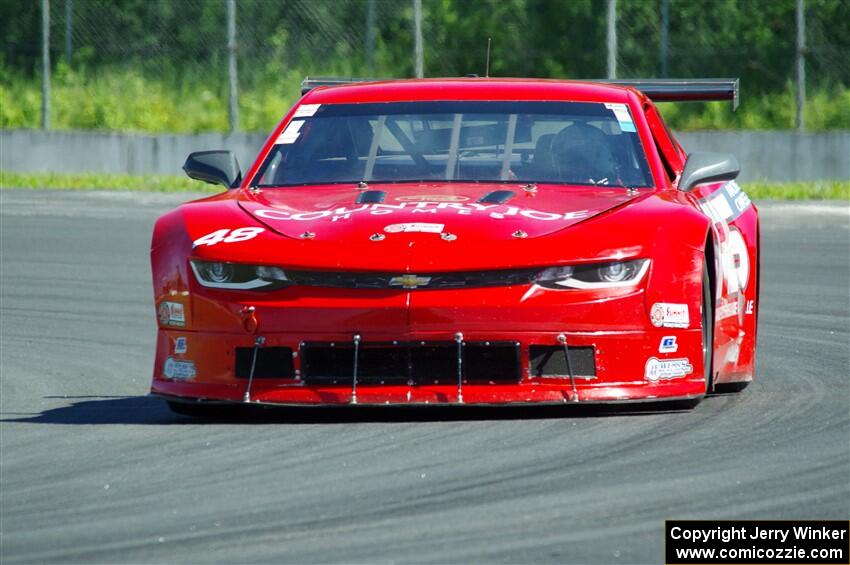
point(176, 53)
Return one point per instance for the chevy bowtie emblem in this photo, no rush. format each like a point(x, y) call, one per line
point(410, 281)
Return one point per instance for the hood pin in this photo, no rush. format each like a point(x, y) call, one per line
point(519, 234)
point(362, 185)
point(308, 235)
point(530, 188)
point(448, 236)
point(377, 237)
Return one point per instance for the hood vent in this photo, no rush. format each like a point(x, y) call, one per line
point(497, 197)
point(371, 197)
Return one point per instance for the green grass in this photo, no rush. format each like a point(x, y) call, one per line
point(826, 109)
point(816, 190)
point(120, 99)
point(97, 181)
point(126, 100)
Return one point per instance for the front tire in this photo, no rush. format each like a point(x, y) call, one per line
point(707, 315)
point(732, 388)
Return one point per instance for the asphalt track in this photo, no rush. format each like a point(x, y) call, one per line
point(91, 470)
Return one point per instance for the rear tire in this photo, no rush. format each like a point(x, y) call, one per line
point(707, 315)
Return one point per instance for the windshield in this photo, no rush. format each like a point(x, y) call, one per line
point(582, 143)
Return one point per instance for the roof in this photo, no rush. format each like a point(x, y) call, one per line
point(413, 90)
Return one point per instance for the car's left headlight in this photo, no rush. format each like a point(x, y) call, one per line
point(236, 276)
point(598, 275)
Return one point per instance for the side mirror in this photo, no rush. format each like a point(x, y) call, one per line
point(708, 167)
point(214, 167)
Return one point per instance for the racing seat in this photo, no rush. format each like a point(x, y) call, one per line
point(542, 164)
point(582, 154)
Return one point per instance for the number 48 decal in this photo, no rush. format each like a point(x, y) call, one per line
point(228, 236)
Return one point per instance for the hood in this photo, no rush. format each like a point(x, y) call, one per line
point(427, 211)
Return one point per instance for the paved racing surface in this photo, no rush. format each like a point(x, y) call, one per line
point(94, 471)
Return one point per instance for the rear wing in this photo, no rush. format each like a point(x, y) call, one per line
point(684, 90)
point(309, 84)
point(659, 90)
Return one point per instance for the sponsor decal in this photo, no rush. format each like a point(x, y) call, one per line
point(733, 352)
point(727, 310)
point(668, 344)
point(171, 314)
point(723, 206)
point(306, 110)
point(432, 198)
point(621, 112)
point(180, 345)
point(290, 134)
point(410, 281)
point(495, 211)
point(726, 203)
point(414, 227)
point(751, 304)
point(736, 261)
point(228, 236)
point(178, 370)
point(669, 315)
point(666, 369)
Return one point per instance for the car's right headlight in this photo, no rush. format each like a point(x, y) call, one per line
point(237, 276)
point(596, 275)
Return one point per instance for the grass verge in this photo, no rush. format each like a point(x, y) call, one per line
point(815, 190)
point(193, 100)
point(97, 181)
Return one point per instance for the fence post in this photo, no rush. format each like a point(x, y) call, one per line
point(801, 64)
point(665, 35)
point(233, 101)
point(612, 39)
point(69, 30)
point(417, 39)
point(370, 37)
point(45, 64)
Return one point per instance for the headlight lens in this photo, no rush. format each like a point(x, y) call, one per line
point(218, 272)
point(615, 272)
point(604, 275)
point(234, 276)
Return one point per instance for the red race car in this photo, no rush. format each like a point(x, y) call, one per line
point(461, 241)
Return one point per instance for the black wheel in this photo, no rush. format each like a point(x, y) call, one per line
point(727, 388)
point(202, 410)
point(707, 315)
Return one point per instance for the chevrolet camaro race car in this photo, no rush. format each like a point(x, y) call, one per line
point(461, 241)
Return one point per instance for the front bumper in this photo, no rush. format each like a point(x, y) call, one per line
point(207, 355)
point(620, 359)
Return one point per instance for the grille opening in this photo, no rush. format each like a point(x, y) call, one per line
point(434, 364)
point(467, 279)
point(548, 361)
point(491, 363)
point(422, 364)
point(272, 363)
point(335, 365)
